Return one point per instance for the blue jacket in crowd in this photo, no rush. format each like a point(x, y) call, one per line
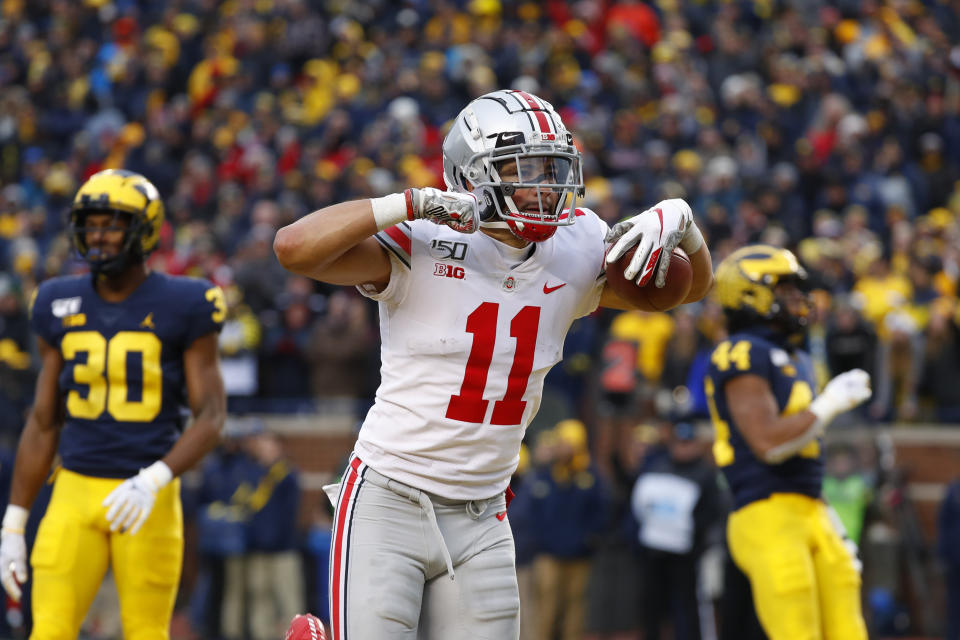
point(566, 516)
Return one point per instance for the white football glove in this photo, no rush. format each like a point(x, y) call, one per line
point(656, 232)
point(459, 211)
point(841, 394)
point(13, 551)
point(131, 502)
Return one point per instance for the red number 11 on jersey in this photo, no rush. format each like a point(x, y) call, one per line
point(469, 405)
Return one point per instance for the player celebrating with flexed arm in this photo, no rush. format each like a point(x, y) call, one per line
point(768, 423)
point(470, 324)
point(125, 353)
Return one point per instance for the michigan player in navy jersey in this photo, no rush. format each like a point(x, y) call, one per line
point(127, 355)
point(768, 422)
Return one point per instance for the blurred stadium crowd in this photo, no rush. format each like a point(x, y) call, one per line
point(832, 128)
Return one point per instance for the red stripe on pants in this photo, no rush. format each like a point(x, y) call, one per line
point(342, 508)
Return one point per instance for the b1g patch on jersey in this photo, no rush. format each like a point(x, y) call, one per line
point(62, 307)
point(449, 271)
point(448, 250)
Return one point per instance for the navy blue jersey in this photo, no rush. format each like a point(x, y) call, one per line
point(791, 378)
point(123, 379)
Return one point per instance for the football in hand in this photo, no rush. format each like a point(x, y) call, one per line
point(649, 297)
point(305, 627)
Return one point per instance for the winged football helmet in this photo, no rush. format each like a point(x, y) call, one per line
point(746, 284)
point(512, 150)
point(119, 192)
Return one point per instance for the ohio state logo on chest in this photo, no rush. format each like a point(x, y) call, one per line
point(448, 271)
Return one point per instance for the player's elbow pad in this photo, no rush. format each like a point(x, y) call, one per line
point(790, 448)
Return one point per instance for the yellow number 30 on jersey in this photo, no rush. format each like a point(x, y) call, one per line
point(215, 296)
point(110, 391)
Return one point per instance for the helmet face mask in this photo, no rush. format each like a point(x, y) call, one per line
point(512, 150)
point(791, 307)
point(123, 195)
point(100, 262)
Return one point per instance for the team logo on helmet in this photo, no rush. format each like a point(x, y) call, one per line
point(513, 151)
point(119, 192)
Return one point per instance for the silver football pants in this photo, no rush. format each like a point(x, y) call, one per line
point(406, 565)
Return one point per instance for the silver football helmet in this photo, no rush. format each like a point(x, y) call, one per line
point(512, 150)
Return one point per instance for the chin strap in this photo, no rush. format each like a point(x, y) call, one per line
point(112, 266)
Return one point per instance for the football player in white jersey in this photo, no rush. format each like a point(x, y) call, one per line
point(470, 323)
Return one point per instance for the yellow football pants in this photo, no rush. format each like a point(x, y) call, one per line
point(805, 584)
point(74, 546)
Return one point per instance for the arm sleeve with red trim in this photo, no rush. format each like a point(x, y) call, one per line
point(397, 241)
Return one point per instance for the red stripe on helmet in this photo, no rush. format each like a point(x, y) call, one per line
point(538, 111)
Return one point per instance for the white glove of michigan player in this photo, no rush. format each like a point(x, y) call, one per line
point(842, 393)
point(131, 502)
point(459, 211)
point(656, 232)
point(13, 551)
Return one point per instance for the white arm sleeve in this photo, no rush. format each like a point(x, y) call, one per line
point(790, 448)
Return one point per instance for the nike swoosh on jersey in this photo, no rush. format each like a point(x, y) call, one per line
point(501, 516)
point(549, 289)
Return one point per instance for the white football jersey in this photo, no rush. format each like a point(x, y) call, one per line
point(470, 327)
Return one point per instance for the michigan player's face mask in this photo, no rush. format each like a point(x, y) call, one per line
point(793, 300)
point(105, 240)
